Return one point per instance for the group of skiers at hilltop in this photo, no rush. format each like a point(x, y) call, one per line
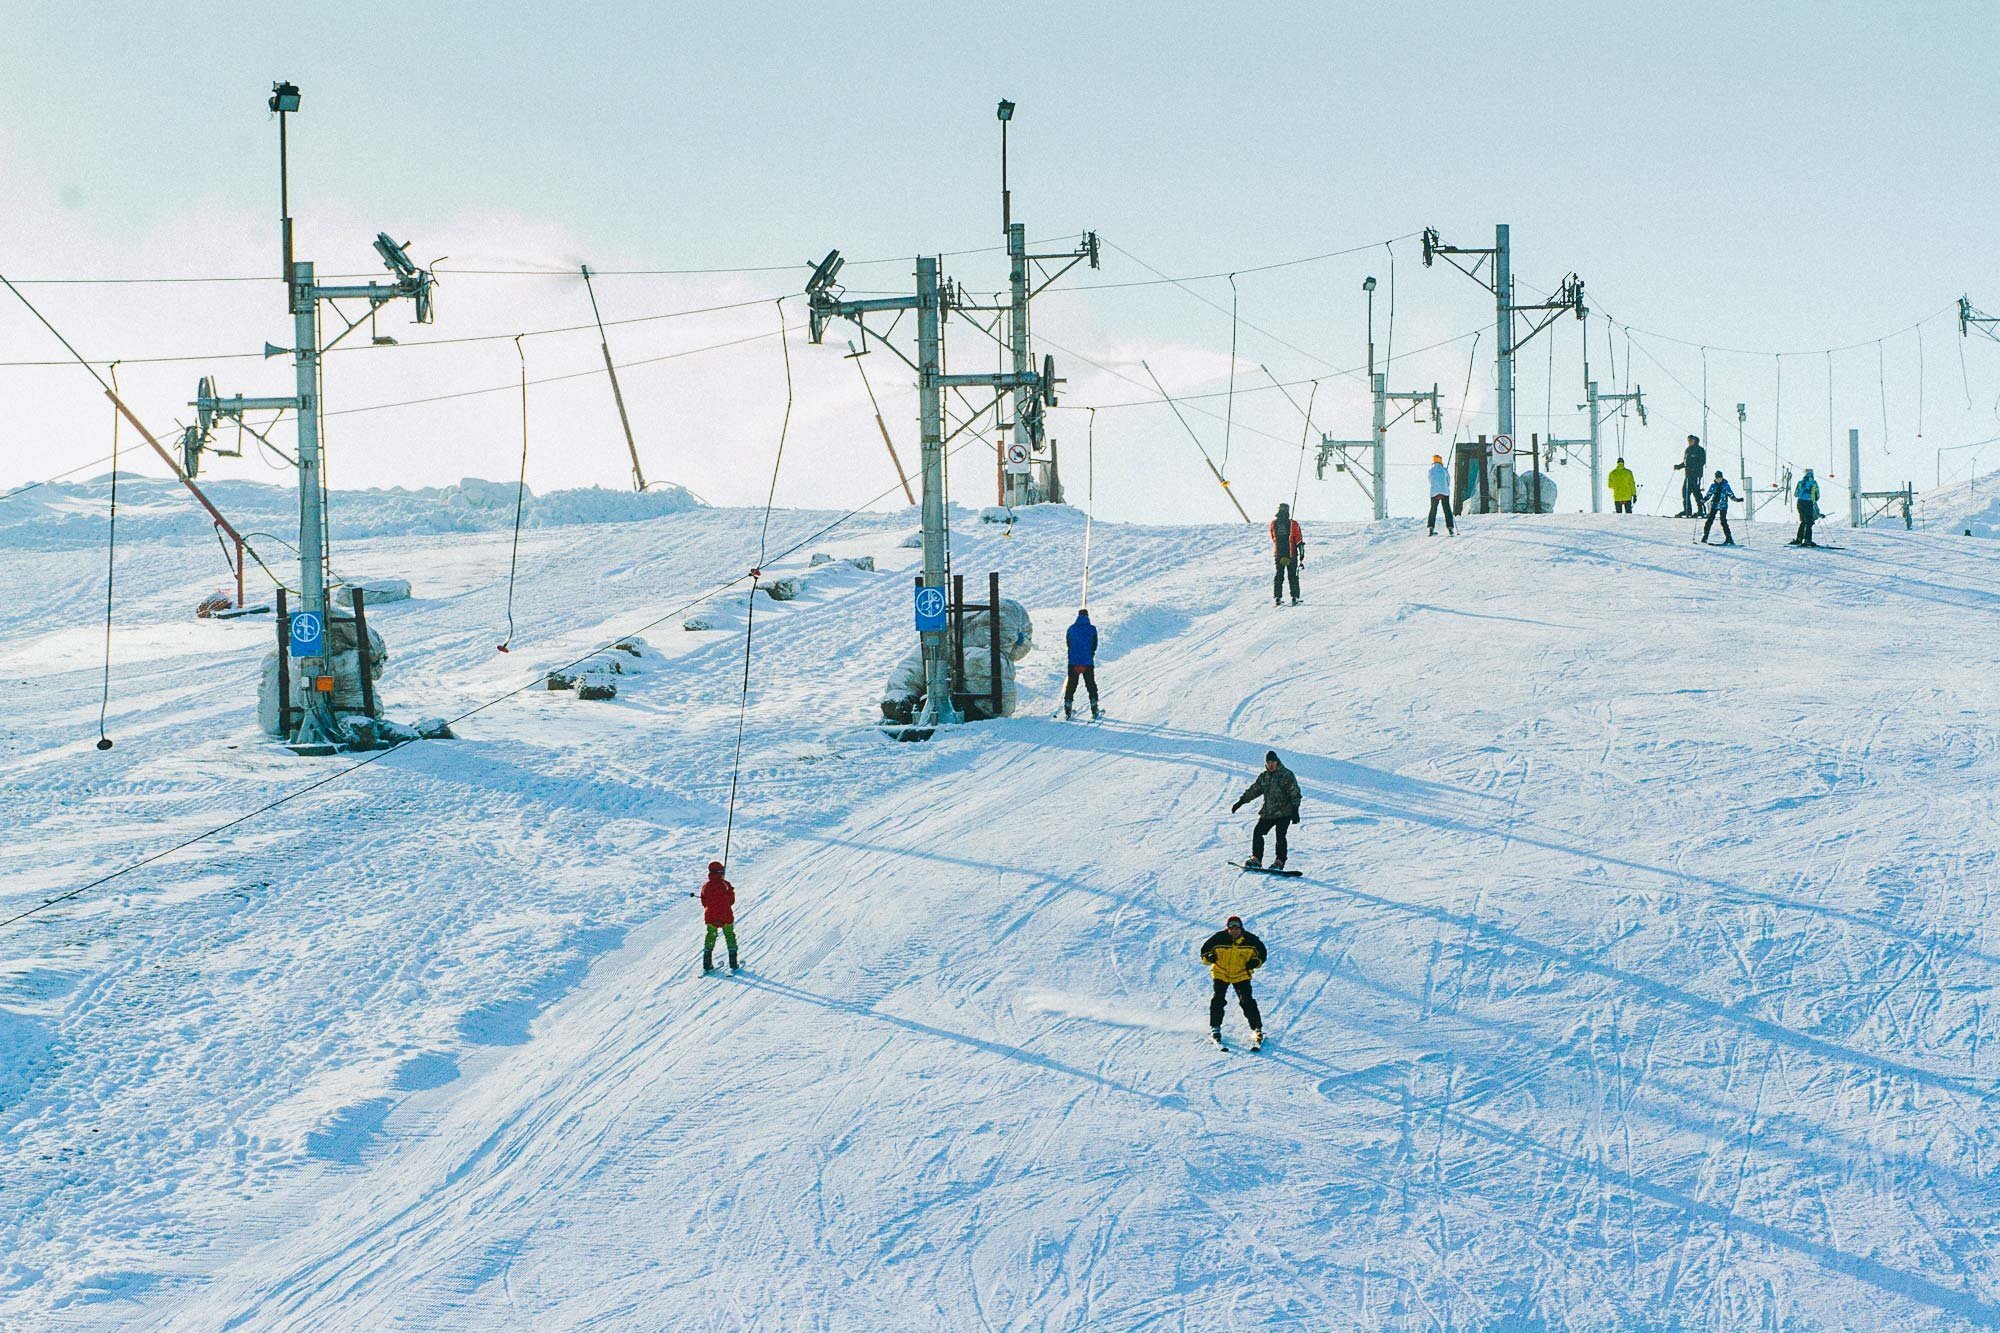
point(1711, 503)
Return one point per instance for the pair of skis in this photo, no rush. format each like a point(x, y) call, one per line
point(1215, 1038)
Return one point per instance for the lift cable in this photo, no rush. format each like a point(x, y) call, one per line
point(756, 578)
point(520, 500)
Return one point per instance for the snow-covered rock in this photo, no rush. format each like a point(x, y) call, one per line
point(377, 591)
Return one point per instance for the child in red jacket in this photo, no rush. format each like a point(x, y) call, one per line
point(718, 912)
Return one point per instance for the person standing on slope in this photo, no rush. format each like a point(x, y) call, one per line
point(1280, 791)
point(1720, 493)
point(1441, 496)
point(1807, 494)
point(1288, 548)
point(718, 913)
point(1233, 955)
point(1693, 459)
point(1082, 663)
point(1624, 488)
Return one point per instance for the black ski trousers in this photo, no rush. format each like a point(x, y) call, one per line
point(1718, 514)
point(1243, 997)
point(1287, 565)
point(1089, 677)
point(1622, 506)
point(1808, 514)
point(1265, 825)
point(1441, 503)
point(1694, 503)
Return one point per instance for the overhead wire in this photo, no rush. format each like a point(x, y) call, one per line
point(401, 345)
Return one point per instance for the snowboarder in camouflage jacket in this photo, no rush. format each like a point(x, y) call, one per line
point(1280, 790)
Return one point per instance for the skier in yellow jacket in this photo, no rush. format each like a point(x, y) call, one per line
point(1232, 955)
point(1624, 488)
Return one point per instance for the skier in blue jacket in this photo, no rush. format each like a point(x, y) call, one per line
point(1807, 495)
point(1440, 479)
point(1082, 663)
point(1720, 493)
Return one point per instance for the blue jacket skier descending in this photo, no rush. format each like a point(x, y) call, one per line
point(1720, 493)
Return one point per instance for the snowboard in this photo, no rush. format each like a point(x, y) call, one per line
point(1267, 870)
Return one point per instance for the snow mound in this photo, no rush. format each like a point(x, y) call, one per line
point(1970, 506)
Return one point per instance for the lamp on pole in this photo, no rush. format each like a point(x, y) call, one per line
point(1368, 285)
point(1005, 112)
point(284, 101)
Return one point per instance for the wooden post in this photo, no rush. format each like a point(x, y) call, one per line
point(284, 667)
point(993, 635)
point(958, 633)
point(1485, 492)
point(361, 651)
point(1535, 443)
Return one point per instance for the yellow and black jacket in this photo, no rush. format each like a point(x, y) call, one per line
point(1232, 960)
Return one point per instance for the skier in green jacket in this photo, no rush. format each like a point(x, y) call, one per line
point(1280, 791)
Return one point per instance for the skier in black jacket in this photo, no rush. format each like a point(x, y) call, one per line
point(1693, 460)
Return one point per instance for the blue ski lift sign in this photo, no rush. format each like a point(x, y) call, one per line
point(930, 610)
point(308, 635)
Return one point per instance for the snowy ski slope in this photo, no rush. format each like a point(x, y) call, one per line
point(1642, 975)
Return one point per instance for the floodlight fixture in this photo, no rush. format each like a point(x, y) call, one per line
point(1368, 284)
point(1005, 110)
point(284, 96)
point(1741, 415)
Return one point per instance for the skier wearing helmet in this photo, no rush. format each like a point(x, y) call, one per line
point(1441, 496)
point(718, 914)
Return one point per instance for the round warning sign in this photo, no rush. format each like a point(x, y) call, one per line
point(1017, 454)
point(1503, 445)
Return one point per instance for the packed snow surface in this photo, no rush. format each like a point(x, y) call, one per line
point(1642, 974)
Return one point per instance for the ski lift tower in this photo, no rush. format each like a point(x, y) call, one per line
point(1029, 275)
point(316, 731)
point(1378, 444)
point(1593, 402)
point(1493, 269)
point(932, 301)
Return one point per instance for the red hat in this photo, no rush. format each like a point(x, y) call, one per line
point(715, 867)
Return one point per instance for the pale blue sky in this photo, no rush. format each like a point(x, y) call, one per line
point(1777, 177)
